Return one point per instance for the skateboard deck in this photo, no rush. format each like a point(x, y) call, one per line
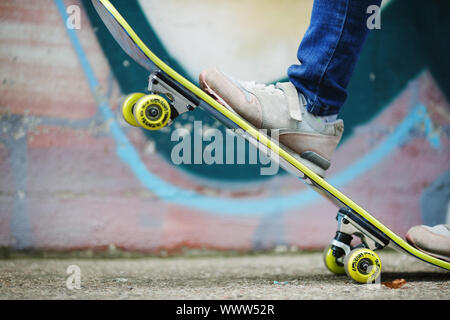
point(359, 261)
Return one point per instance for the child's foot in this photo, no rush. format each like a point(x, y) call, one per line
point(432, 240)
point(312, 139)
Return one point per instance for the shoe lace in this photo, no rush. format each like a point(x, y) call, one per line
point(268, 89)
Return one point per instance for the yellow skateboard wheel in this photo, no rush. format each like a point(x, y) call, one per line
point(152, 112)
point(331, 262)
point(363, 265)
point(128, 106)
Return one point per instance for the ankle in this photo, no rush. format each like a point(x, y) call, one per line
point(329, 118)
point(326, 119)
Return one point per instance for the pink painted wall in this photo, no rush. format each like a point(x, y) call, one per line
point(64, 187)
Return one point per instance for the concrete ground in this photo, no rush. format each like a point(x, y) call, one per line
point(265, 276)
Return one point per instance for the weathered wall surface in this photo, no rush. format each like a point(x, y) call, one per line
point(73, 175)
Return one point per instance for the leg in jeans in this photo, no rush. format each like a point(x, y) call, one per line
point(329, 51)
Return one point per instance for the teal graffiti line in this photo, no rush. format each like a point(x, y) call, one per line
point(432, 134)
point(167, 192)
point(401, 134)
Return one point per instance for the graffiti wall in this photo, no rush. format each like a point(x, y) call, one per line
point(74, 175)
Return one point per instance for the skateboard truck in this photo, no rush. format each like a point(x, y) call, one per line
point(166, 101)
point(180, 99)
point(350, 225)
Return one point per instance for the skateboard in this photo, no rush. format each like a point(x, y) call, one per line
point(352, 251)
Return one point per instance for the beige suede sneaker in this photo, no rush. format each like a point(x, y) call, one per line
point(432, 240)
point(310, 139)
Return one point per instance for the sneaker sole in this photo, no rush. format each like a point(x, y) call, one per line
point(411, 242)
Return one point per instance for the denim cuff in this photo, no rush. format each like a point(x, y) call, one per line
point(321, 110)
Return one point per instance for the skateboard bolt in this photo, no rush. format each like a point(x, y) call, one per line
point(364, 266)
point(154, 112)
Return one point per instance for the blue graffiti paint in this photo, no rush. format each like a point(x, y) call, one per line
point(20, 223)
point(167, 192)
point(401, 134)
point(432, 135)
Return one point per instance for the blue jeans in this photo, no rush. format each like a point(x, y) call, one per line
point(329, 51)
